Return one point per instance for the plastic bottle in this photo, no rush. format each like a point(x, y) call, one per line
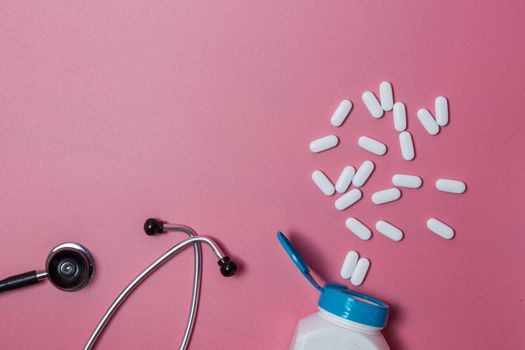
point(345, 320)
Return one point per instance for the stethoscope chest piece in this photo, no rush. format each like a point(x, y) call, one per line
point(70, 267)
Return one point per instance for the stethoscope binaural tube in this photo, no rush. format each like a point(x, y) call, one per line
point(69, 267)
point(228, 268)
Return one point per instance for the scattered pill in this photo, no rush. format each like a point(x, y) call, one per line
point(363, 173)
point(345, 179)
point(389, 230)
point(427, 121)
point(358, 228)
point(386, 196)
point(372, 145)
point(372, 104)
point(348, 199)
point(440, 228)
point(341, 112)
point(360, 271)
point(451, 186)
point(324, 143)
point(400, 116)
point(324, 184)
point(441, 110)
point(349, 264)
point(407, 145)
point(408, 181)
point(386, 95)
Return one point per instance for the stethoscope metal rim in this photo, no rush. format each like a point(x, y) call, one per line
point(86, 256)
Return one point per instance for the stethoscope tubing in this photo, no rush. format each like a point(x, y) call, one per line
point(194, 240)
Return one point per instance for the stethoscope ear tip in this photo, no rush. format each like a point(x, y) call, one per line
point(153, 226)
point(228, 267)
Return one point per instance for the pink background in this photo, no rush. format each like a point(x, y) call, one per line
point(201, 113)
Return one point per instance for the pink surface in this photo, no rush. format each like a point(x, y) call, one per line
point(201, 113)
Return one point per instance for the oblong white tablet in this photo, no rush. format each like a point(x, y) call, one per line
point(427, 121)
point(363, 173)
point(360, 271)
point(348, 199)
point(349, 264)
point(386, 196)
point(389, 230)
point(341, 112)
point(372, 145)
point(440, 228)
point(386, 95)
point(345, 179)
point(451, 186)
point(441, 110)
point(358, 228)
point(400, 116)
point(407, 145)
point(372, 104)
point(408, 181)
point(324, 184)
point(324, 143)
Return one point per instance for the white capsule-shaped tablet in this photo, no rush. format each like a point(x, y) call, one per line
point(363, 173)
point(386, 196)
point(427, 121)
point(358, 228)
point(372, 104)
point(340, 113)
point(451, 186)
point(440, 228)
point(345, 179)
point(348, 199)
point(386, 96)
point(400, 116)
point(349, 264)
point(408, 181)
point(372, 145)
point(441, 110)
point(360, 271)
point(324, 184)
point(324, 143)
point(407, 145)
point(389, 230)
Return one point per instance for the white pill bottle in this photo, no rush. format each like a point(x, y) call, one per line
point(345, 320)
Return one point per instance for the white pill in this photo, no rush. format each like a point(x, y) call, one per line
point(407, 145)
point(358, 228)
point(451, 186)
point(427, 121)
point(440, 228)
point(385, 196)
point(360, 271)
point(345, 179)
point(372, 104)
point(341, 112)
point(372, 145)
point(408, 181)
point(349, 264)
point(324, 143)
point(400, 116)
point(363, 173)
point(386, 96)
point(324, 184)
point(348, 199)
point(389, 230)
point(441, 110)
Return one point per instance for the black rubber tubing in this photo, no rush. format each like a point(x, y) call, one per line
point(18, 281)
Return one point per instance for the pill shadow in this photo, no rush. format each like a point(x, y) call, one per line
point(391, 336)
point(311, 255)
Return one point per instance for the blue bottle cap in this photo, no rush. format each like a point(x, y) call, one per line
point(337, 299)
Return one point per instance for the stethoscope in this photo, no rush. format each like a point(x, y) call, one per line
point(70, 267)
